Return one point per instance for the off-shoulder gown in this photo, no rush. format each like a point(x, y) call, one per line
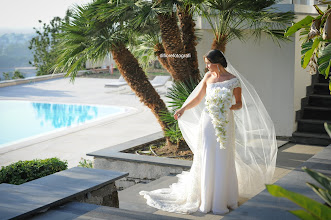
point(211, 184)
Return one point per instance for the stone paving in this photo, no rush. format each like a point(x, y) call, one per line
point(265, 206)
point(290, 156)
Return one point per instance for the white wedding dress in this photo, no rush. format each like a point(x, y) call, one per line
point(211, 184)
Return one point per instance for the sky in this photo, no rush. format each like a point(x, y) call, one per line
point(20, 16)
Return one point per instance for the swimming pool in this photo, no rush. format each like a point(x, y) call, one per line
point(22, 120)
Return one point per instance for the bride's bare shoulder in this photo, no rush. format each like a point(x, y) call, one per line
point(231, 76)
point(207, 75)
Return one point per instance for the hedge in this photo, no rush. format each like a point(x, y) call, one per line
point(25, 171)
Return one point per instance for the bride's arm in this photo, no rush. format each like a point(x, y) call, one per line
point(237, 95)
point(194, 102)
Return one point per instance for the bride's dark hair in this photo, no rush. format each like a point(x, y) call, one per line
point(216, 56)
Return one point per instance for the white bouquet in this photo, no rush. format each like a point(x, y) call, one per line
point(218, 103)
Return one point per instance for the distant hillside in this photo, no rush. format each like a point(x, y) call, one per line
point(14, 51)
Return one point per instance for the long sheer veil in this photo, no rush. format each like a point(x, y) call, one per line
point(256, 146)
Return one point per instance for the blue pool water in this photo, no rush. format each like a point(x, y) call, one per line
point(20, 120)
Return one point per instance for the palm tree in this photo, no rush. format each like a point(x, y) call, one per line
point(143, 14)
point(173, 45)
point(90, 37)
point(234, 18)
point(187, 24)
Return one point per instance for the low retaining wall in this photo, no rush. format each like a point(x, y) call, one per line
point(139, 172)
point(35, 79)
point(141, 168)
point(105, 196)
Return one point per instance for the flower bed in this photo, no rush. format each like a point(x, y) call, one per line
point(157, 149)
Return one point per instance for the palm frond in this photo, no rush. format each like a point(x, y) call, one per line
point(236, 33)
point(86, 38)
point(234, 17)
point(172, 132)
point(143, 48)
point(179, 92)
point(270, 23)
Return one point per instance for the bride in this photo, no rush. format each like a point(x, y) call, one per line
point(233, 140)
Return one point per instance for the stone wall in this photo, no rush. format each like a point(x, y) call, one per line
point(139, 172)
point(105, 196)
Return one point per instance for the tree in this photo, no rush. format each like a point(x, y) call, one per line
point(174, 43)
point(235, 18)
point(187, 24)
point(112, 26)
point(90, 37)
point(177, 34)
point(43, 45)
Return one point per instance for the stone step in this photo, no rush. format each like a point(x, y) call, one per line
point(311, 138)
point(319, 113)
point(76, 210)
point(319, 78)
point(265, 206)
point(131, 200)
point(321, 88)
point(315, 110)
point(21, 201)
point(6, 186)
point(319, 100)
point(312, 126)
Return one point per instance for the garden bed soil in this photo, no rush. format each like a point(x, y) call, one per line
point(161, 150)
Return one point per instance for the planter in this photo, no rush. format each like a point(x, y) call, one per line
point(141, 168)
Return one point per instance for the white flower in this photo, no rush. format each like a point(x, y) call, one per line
point(218, 102)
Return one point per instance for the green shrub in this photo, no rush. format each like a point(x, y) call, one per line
point(17, 75)
point(6, 75)
point(85, 163)
point(24, 171)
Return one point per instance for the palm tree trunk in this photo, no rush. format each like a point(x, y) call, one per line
point(173, 45)
point(158, 50)
point(219, 43)
point(136, 78)
point(187, 25)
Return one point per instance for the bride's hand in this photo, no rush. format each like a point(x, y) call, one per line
point(179, 113)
